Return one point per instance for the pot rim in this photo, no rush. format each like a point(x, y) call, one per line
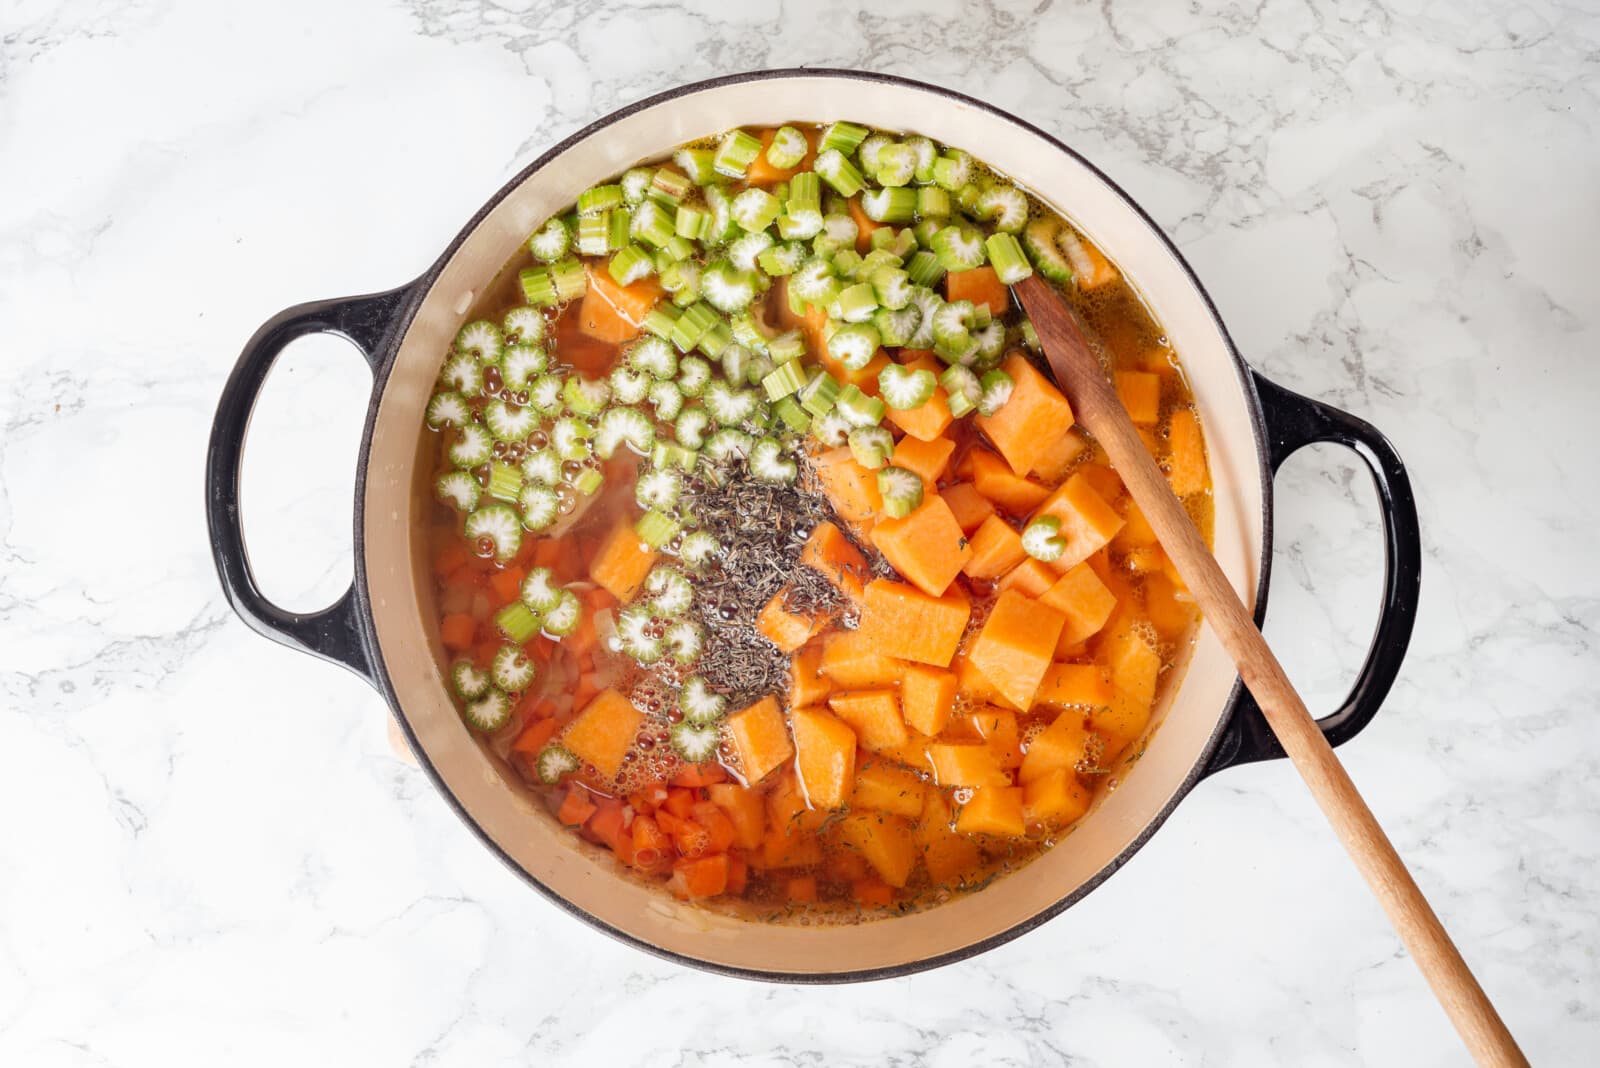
point(417, 290)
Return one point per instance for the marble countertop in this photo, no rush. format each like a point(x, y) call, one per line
point(209, 854)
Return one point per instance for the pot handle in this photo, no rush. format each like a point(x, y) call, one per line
point(1293, 422)
point(333, 633)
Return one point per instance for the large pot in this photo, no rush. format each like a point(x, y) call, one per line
point(382, 630)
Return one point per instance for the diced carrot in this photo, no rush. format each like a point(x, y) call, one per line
point(1083, 599)
point(452, 556)
point(996, 549)
point(702, 877)
point(829, 551)
point(1003, 487)
point(612, 312)
point(457, 631)
point(603, 732)
point(760, 738)
point(651, 845)
point(785, 629)
point(874, 715)
point(853, 660)
point(1056, 799)
point(694, 776)
point(483, 652)
point(1031, 577)
point(548, 552)
point(883, 787)
point(927, 547)
point(606, 823)
point(865, 225)
point(1171, 611)
point(1034, 415)
point(909, 624)
point(981, 286)
point(507, 584)
point(993, 810)
point(928, 420)
point(1082, 685)
point(926, 697)
point(1057, 455)
point(885, 841)
point(825, 756)
point(801, 889)
point(849, 487)
point(1186, 459)
point(926, 458)
point(588, 687)
point(1066, 744)
point(863, 378)
point(1088, 523)
point(689, 838)
point(999, 731)
point(745, 808)
point(535, 736)
point(718, 825)
point(964, 764)
point(872, 893)
point(807, 684)
point(1140, 394)
point(576, 807)
point(622, 561)
point(680, 801)
point(969, 506)
point(1015, 645)
point(762, 172)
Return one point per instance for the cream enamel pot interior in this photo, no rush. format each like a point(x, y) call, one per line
point(380, 628)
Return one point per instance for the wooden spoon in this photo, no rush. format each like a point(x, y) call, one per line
point(1098, 408)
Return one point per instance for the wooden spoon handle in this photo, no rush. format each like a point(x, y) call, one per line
point(1099, 409)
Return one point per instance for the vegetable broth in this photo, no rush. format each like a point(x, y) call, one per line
point(671, 737)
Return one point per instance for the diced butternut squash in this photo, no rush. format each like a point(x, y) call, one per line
point(791, 839)
point(928, 420)
point(603, 732)
point(950, 858)
point(1106, 482)
point(700, 877)
point(746, 810)
point(1056, 799)
point(760, 738)
point(1034, 415)
point(1003, 487)
point(1140, 394)
point(926, 458)
point(885, 841)
point(1088, 523)
point(1066, 743)
point(785, 629)
point(1136, 532)
point(829, 551)
point(906, 623)
point(1120, 723)
point(1186, 459)
point(969, 506)
point(807, 684)
point(849, 487)
point(1084, 686)
point(874, 715)
point(966, 764)
point(927, 547)
point(825, 756)
point(973, 684)
point(1134, 666)
point(993, 810)
point(927, 695)
point(996, 549)
point(1171, 610)
point(612, 312)
point(1083, 599)
point(1016, 645)
point(1000, 732)
point(853, 660)
point(1058, 456)
point(882, 787)
point(1030, 578)
point(621, 562)
point(981, 286)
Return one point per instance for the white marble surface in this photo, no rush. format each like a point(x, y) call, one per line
point(208, 854)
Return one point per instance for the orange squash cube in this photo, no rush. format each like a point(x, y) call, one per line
point(926, 697)
point(1140, 394)
point(760, 738)
point(1066, 744)
point(995, 810)
point(966, 765)
point(604, 732)
point(927, 547)
point(874, 715)
point(1036, 413)
point(1083, 599)
point(996, 549)
point(1056, 799)
point(1088, 523)
point(907, 623)
point(1016, 645)
point(882, 787)
point(825, 756)
point(885, 841)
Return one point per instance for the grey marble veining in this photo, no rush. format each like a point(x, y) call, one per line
point(208, 854)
